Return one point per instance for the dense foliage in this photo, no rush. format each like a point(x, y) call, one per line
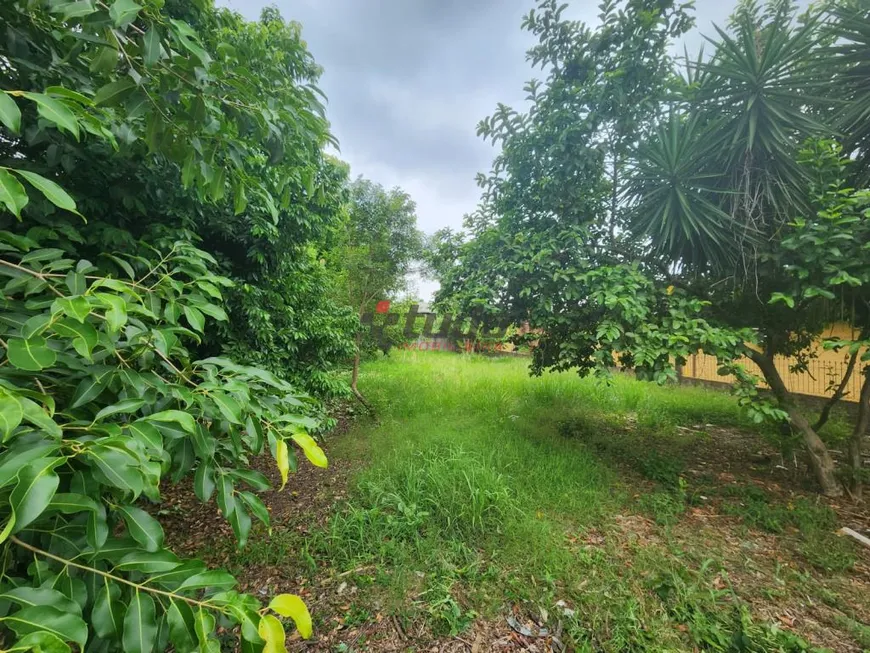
point(150, 180)
point(375, 250)
point(645, 208)
point(245, 141)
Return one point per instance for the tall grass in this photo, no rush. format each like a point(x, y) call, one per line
point(471, 495)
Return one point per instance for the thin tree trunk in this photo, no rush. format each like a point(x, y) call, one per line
point(820, 459)
point(856, 467)
point(838, 394)
point(355, 374)
point(614, 197)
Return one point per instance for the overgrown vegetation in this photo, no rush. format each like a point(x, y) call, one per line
point(163, 206)
point(646, 207)
point(483, 492)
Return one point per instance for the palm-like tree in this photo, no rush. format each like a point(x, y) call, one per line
point(851, 80)
point(718, 186)
point(721, 177)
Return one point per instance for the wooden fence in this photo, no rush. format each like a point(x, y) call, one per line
point(821, 378)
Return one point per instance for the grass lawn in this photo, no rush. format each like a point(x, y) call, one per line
point(484, 510)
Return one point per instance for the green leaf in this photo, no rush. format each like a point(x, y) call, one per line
point(140, 624)
point(73, 8)
point(184, 420)
point(12, 193)
point(292, 606)
point(11, 414)
point(182, 460)
point(71, 502)
point(77, 307)
point(257, 507)
point(113, 93)
point(203, 442)
point(37, 483)
point(228, 406)
point(31, 355)
point(255, 479)
point(107, 613)
point(272, 632)
point(97, 531)
point(214, 579)
point(181, 628)
point(52, 191)
point(143, 527)
point(188, 39)
point(124, 12)
point(194, 318)
point(147, 434)
point(151, 47)
point(35, 325)
point(21, 454)
point(241, 523)
point(87, 390)
point(203, 481)
point(105, 60)
point(116, 310)
point(123, 406)
point(120, 469)
point(42, 642)
point(66, 626)
point(214, 311)
point(148, 563)
point(240, 201)
point(37, 415)
point(204, 623)
point(225, 499)
point(121, 263)
point(83, 335)
point(780, 297)
point(311, 449)
point(56, 112)
point(62, 92)
point(34, 596)
point(10, 114)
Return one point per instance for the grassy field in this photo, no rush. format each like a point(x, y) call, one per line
point(481, 506)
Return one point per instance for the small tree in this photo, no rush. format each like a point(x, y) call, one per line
point(379, 244)
point(728, 238)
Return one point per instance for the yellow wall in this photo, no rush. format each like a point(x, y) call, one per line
point(825, 371)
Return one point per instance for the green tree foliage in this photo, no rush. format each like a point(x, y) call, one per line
point(850, 35)
point(126, 135)
point(379, 243)
point(246, 142)
point(686, 229)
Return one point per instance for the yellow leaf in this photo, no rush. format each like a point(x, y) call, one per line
point(8, 528)
point(311, 449)
point(670, 290)
point(282, 457)
point(272, 632)
point(290, 605)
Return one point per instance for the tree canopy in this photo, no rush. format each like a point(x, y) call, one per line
point(165, 206)
point(646, 207)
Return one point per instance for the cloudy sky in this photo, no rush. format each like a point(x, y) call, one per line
point(408, 80)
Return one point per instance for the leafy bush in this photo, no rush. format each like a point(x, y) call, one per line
point(105, 391)
point(138, 115)
point(100, 402)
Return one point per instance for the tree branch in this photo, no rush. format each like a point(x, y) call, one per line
point(839, 394)
point(118, 579)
